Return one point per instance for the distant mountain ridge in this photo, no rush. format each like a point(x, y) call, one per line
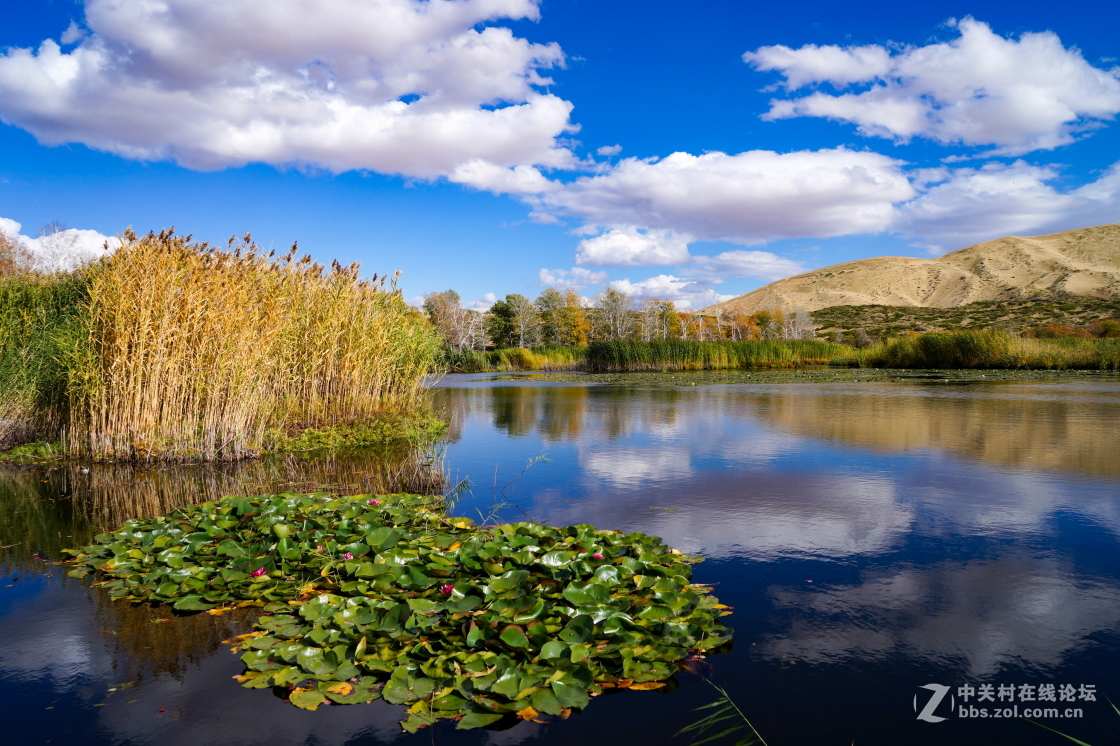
point(1082, 262)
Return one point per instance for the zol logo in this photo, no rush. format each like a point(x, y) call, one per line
point(939, 692)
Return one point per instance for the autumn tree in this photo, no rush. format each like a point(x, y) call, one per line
point(799, 325)
point(615, 314)
point(550, 312)
point(576, 325)
point(657, 319)
point(513, 322)
point(13, 257)
point(462, 329)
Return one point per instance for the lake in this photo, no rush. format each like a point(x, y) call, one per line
point(892, 549)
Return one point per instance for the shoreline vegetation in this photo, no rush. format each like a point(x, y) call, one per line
point(170, 350)
point(985, 349)
point(560, 331)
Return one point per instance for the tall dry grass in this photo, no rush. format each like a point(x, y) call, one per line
point(177, 351)
point(677, 354)
point(200, 353)
point(986, 349)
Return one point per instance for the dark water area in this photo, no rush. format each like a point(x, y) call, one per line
point(874, 537)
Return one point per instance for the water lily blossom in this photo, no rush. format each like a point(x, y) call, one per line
point(374, 502)
point(446, 589)
point(597, 556)
point(348, 556)
point(258, 572)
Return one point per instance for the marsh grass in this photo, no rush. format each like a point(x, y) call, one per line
point(40, 317)
point(548, 357)
point(986, 349)
point(178, 351)
point(634, 355)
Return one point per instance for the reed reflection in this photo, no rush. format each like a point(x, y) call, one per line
point(1063, 427)
point(49, 507)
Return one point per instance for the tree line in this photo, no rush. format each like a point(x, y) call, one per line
point(563, 318)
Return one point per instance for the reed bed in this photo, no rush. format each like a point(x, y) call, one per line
point(986, 349)
point(675, 354)
point(186, 352)
point(39, 319)
point(548, 357)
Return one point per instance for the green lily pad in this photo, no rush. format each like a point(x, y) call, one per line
point(401, 601)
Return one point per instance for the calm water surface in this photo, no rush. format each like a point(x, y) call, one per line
point(874, 538)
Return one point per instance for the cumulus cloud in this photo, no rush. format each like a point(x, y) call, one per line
point(609, 150)
point(576, 278)
point(61, 249)
point(685, 292)
point(761, 264)
point(748, 198)
point(979, 89)
point(631, 246)
point(978, 204)
point(482, 304)
point(395, 86)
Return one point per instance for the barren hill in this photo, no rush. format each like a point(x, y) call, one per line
point(1084, 262)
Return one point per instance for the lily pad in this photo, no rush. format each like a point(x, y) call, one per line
point(397, 600)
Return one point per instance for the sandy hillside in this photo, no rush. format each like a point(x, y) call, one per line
point(1077, 262)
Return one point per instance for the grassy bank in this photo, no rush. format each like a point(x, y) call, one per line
point(175, 351)
point(633, 355)
point(515, 358)
point(986, 349)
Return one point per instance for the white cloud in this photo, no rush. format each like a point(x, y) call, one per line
point(482, 304)
point(979, 89)
point(630, 246)
point(748, 198)
point(395, 86)
point(576, 278)
point(762, 264)
point(609, 150)
point(981, 204)
point(63, 250)
point(72, 34)
point(812, 64)
point(520, 179)
point(685, 292)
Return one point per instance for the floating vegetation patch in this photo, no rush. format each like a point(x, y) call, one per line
point(387, 596)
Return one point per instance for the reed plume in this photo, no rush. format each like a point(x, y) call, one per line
point(181, 351)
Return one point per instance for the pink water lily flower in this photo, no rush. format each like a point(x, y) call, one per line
point(446, 589)
point(258, 572)
point(348, 556)
point(374, 502)
point(597, 556)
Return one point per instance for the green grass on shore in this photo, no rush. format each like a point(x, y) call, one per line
point(676, 354)
point(635, 355)
point(986, 349)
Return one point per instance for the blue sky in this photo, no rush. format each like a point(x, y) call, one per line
point(691, 151)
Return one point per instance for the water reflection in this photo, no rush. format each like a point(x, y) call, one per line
point(960, 531)
point(170, 672)
point(46, 508)
point(979, 615)
point(901, 533)
point(1069, 426)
